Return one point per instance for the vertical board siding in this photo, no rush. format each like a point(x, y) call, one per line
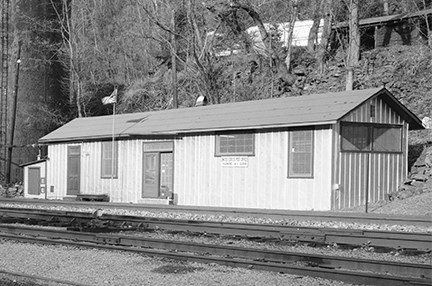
point(127, 187)
point(383, 113)
point(380, 173)
point(200, 179)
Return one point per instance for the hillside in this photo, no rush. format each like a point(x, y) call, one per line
point(405, 70)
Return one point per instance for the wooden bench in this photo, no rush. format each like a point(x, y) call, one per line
point(92, 198)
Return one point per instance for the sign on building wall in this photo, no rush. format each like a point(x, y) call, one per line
point(158, 146)
point(235, 162)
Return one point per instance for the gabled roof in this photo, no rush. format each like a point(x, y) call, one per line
point(307, 110)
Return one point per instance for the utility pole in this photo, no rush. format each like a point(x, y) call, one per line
point(4, 85)
point(13, 118)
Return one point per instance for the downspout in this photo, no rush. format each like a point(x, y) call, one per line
point(46, 179)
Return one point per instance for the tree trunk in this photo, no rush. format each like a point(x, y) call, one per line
point(174, 60)
point(386, 7)
point(313, 32)
point(349, 78)
point(428, 26)
point(354, 43)
point(325, 37)
point(290, 36)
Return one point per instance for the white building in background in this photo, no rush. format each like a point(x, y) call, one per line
point(299, 39)
point(300, 33)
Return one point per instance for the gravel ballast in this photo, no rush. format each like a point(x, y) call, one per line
point(230, 218)
point(99, 267)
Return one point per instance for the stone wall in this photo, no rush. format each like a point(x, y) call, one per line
point(420, 176)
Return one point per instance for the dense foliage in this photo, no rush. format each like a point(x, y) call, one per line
point(136, 45)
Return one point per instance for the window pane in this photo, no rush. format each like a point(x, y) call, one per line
point(387, 139)
point(107, 163)
point(301, 154)
point(355, 138)
point(235, 144)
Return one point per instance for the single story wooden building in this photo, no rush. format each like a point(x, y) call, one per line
point(312, 152)
point(34, 178)
point(400, 29)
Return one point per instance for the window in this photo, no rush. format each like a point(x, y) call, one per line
point(355, 138)
point(371, 138)
point(387, 139)
point(300, 161)
point(109, 167)
point(231, 144)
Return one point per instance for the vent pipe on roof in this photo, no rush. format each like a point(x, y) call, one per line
point(201, 101)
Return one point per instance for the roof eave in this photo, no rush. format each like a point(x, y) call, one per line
point(80, 138)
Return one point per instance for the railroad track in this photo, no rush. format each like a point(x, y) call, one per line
point(242, 212)
point(363, 271)
point(40, 278)
point(329, 236)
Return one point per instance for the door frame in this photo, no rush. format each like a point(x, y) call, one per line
point(77, 155)
point(157, 147)
point(157, 175)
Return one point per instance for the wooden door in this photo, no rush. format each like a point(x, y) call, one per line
point(33, 181)
point(151, 175)
point(73, 170)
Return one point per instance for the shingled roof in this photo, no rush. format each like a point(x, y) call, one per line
point(307, 110)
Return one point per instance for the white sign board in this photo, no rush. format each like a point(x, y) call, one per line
point(235, 162)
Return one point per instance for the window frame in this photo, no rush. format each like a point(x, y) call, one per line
point(218, 152)
point(310, 175)
point(116, 161)
point(371, 127)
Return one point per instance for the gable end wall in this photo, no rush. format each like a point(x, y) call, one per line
point(379, 173)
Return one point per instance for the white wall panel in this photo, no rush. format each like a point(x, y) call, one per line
point(200, 179)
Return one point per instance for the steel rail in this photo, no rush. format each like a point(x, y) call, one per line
point(351, 237)
point(403, 269)
point(245, 212)
point(385, 239)
point(316, 265)
point(45, 279)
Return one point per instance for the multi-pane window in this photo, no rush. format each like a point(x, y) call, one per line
point(230, 144)
point(301, 146)
point(371, 137)
point(109, 162)
point(355, 138)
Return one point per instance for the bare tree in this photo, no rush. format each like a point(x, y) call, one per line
point(290, 35)
point(316, 17)
point(386, 7)
point(353, 55)
point(321, 54)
